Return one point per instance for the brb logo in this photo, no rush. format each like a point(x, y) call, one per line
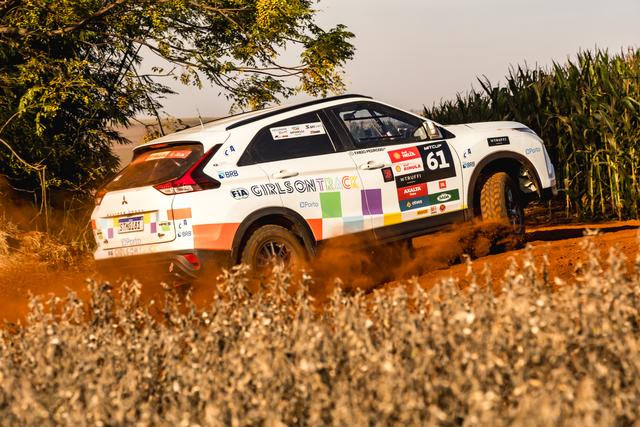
point(227, 174)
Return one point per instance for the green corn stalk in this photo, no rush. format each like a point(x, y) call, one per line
point(588, 112)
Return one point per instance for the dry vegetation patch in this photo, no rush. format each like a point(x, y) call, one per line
point(539, 351)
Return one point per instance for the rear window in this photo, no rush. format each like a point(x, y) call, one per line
point(157, 165)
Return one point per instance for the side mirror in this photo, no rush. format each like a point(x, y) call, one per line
point(431, 129)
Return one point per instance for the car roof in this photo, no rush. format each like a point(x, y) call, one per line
point(228, 123)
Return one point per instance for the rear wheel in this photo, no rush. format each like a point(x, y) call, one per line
point(272, 244)
point(500, 201)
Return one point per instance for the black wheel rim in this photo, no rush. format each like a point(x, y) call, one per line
point(273, 251)
point(514, 211)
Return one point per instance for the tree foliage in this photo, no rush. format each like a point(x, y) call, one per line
point(70, 70)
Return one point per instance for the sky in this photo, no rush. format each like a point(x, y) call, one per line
point(412, 53)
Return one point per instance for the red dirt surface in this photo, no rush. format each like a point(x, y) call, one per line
point(21, 278)
point(561, 244)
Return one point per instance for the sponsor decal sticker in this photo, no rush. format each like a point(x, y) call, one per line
point(444, 197)
point(297, 131)
point(227, 174)
point(443, 208)
point(301, 186)
point(418, 190)
point(434, 210)
point(438, 161)
point(305, 205)
point(404, 154)
point(367, 151)
point(467, 152)
point(408, 166)
point(230, 150)
point(176, 154)
point(239, 193)
point(416, 203)
point(497, 141)
point(442, 185)
point(387, 174)
point(468, 165)
point(410, 179)
point(532, 150)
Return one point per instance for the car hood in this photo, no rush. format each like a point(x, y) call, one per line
point(484, 126)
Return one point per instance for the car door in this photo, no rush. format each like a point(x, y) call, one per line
point(411, 182)
point(312, 173)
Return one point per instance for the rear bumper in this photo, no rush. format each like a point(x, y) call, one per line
point(167, 265)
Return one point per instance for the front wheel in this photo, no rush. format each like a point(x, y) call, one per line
point(500, 201)
point(272, 244)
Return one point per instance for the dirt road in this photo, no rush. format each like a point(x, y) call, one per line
point(21, 276)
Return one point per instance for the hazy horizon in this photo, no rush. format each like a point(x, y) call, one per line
point(415, 53)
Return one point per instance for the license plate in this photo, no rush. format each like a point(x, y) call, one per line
point(131, 225)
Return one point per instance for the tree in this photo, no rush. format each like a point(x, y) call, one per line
point(70, 70)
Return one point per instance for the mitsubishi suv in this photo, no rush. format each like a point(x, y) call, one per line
point(278, 182)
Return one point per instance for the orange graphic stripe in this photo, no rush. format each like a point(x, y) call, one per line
point(179, 213)
point(316, 227)
point(214, 236)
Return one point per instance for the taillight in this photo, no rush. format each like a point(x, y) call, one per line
point(193, 180)
point(100, 195)
point(193, 260)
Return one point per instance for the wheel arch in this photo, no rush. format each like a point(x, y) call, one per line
point(284, 217)
point(501, 161)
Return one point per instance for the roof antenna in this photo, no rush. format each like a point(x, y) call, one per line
point(200, 118)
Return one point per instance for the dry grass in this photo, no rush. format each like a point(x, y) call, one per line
point(538, 353)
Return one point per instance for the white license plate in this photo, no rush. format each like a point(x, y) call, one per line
point(131, 225)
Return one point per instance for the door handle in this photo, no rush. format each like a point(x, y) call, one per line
point(372, 164)
point(285, 174)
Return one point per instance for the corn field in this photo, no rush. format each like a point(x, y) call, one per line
point(538, 352)
point(588, 113)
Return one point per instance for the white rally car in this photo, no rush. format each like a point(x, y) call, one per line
point(278, 182)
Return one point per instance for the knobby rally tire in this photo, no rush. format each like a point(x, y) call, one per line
point(500, 201)
point(271, 238)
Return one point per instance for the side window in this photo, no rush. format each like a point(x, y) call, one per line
point(373, 125)
point(300, 136)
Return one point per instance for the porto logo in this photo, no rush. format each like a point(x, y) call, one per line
point(239, 193)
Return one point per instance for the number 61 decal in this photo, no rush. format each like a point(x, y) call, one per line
point(438, 161)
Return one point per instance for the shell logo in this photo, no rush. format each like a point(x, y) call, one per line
point(397, 156)
point(398, 168)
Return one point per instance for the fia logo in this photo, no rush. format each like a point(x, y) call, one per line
point(239, 193)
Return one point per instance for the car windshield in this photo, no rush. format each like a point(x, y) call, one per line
point(156, 165)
